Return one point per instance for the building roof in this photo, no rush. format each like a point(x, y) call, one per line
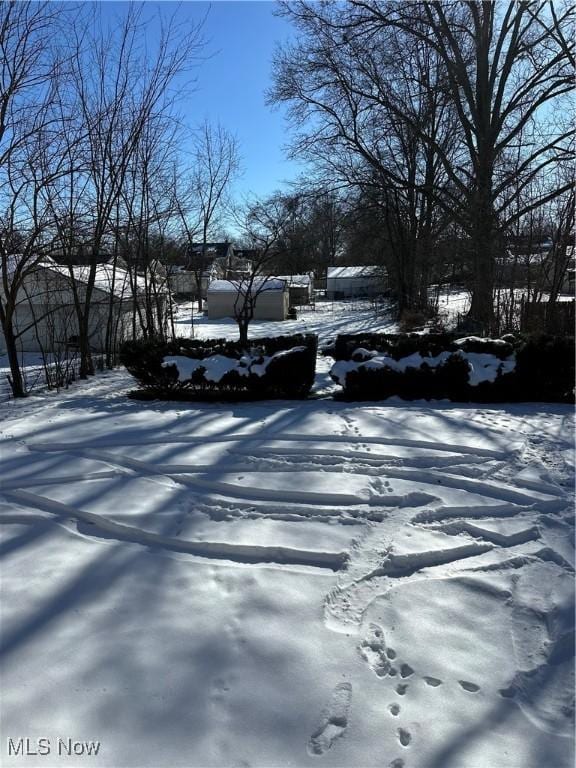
point(350, 272)
point(523, 259)
point(246, 253)
point(211, 250)
point(105, 278)
point(258, 285)
point(297, 281)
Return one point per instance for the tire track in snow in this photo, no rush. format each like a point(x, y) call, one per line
point(423, 476)
point(28, 482)
point(376, 567)
point(99, 527)
point(287, 437)
point(311, 499)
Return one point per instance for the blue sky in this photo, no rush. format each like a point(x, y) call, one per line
point(230, 89)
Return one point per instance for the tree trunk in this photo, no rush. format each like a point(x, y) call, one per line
point(16, 379)
point(483, 254)
point(86, 364)
point(242, 331)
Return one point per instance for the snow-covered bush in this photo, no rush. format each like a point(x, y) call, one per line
point(186, 369)
point(469, 369)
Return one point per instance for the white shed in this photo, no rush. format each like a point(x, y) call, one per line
point(300, 287)
point(45, 317)
point(348, 282)
point(182, 282)
point(271, 301)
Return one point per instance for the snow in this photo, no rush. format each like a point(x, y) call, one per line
point(185, 366)
point(327, 319)
point(348, 272)
point(481, 366)
point(258, 284)
point(485, 367)
point(216, 366)
point(288, 583)
point(479, 340)
point(297, 281)
point(105, 275)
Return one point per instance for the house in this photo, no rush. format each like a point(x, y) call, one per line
point(521, 269)
point(348, 282)
point(569, 282)
point(545, 268)
point(271, 298)
point(45, 317)
point(300, 288)
point(182, 280)
point(213, 261)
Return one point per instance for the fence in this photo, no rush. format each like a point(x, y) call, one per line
point(551, 317)
point(49, 375)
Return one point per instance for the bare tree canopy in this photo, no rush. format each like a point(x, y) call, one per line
point(79, 103)
point(481, 88)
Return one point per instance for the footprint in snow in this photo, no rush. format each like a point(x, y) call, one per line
point(404, 737)
point(334, 720)
point(373, 650)
point(406, 670)
point(470, 687)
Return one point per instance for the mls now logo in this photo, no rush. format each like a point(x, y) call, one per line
point(25, 747)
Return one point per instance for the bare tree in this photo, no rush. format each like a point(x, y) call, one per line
point(29, 67)
point(261, 223)
point(145, 208)
point(504, 64)
point(360, 103)
point(115, 91)
point(497, 69)
point(215, 163)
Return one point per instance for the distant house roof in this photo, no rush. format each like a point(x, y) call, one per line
point(523, 259)
point(259, 284)
point(81, 256)
point(211, 250)
point(348, 272)
point(246, 253)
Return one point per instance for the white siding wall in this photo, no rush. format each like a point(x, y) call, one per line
point(348, 287)
point(45, 317)
point(182, 282)
point(270, 305)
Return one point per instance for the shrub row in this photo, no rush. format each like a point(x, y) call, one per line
point(190, 369)
point(399, 345)
point(439, 366)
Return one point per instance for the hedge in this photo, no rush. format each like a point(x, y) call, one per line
point(442, 366)
point(190, 369)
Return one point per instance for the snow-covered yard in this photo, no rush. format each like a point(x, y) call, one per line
point(327, 319)
point(286, 583)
